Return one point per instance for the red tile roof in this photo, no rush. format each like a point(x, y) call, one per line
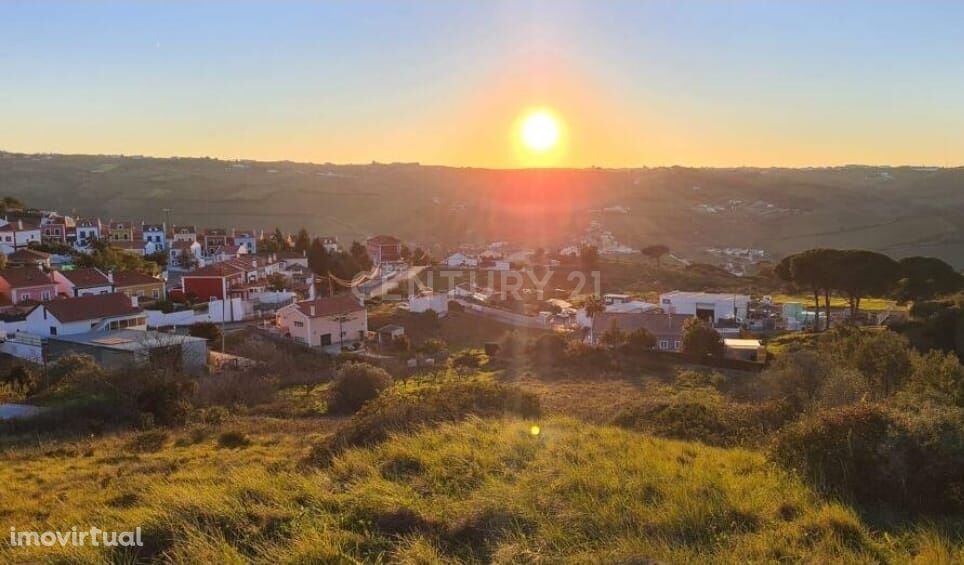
point(124, 279)
point(86, 278)
point(330, 306)
point(384, 240)
point(28, 255)
point(91, 307)
point(25, 277)
point(222, 269)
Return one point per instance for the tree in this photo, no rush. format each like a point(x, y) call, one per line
point(589, 257)
point(924, 278)
point(420, 257)
point(319, 259)
point(277, 282)
point(3, 261)
point(186, 259)
point(884, 359)
point(701, 339)
point(302, 240)
point(405, 253)
point(858, 273)
point(594, 305)
point(538, 256)
point(809, 270)
point(655, 252)
point(360, 255)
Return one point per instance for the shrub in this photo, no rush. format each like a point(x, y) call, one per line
point(703, 415)
point(148, 442)
point(233, 440)
point(247, 388)
point(640, 340)
point(874, 454)
point(797, 378)
point(939, 376)
point(701, 339)
point(354, 385)
point(392, 413)
point(547, 350)
point(884, 358)
point(207, 330)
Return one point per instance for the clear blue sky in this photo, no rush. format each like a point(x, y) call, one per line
point(634, 83)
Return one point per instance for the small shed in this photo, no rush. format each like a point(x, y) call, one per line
point(388, 334)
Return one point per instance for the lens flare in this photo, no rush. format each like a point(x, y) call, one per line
point(540, 131)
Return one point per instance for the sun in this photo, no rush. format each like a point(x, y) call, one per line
point(540, 131)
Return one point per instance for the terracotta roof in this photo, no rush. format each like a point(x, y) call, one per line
point(25, 277)
point(330, 306)
point(384, 240)
point(89, 223)
point(19, 225)
point(28, 255)
point(183, 229)
point(183, 244)
point(121, 225)
point(133, 278)
point(216, 232)
point(85, 278)
point(153, 227)
point(91, 307)
point(222, 269)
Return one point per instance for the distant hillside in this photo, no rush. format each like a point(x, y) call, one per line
point(900, 211)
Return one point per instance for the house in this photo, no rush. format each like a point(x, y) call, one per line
point(667, 328)
point(126, 348)
point(183, 233)
point(213, 281)
point(745, 349)
point(18, 234)
point(228, 252)
point(389, 333)
point(333, 322)
point(54, 228)
point(88, 230)
point(461, 260)
point(95, 312)
point(289, 258)
point(428, 300)
point(213, 239)
point(26, 284)
point(120, 231)
point(82, 282)
point(136, 284)
point(155, 238)
point(246, 239)
point(29, 258)
point(184, 255)
point(384, 249)
point(706, 305)
point(330, 243)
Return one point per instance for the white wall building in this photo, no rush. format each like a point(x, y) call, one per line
point(333, 322)
point(706, 305)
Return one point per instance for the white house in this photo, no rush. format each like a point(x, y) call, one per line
point(181, 249)
point(331, 322)
point(88, 230)
point(428, 300)
point(184, 233)
point(83, 282)
point(706, 305)
point(97, 312)
point(155, 238)
point(247, 239)
point(461, 260)
point(18, 234)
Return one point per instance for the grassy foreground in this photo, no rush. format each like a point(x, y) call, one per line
point(478, 491)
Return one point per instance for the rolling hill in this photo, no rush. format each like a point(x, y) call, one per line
point(901, 211)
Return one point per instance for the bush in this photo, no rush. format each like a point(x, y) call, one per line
point(873, 454)
point(701, 339)
point(639, 340)
point(148, 442)
point(233, 440)
point(354, 385)
point(392, 413)
point(703, 415)
point(247, 388)
point(206, 330)
point(547, 350)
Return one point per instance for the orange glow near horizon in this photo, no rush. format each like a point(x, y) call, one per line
point(539, 138)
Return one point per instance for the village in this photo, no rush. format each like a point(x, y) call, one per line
point(54, 302)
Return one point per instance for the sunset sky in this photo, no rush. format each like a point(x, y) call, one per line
point(714, 83)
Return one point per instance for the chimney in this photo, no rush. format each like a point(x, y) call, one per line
point(134, 301)
point(311, 288)
point(312, 309)
point(110, 277)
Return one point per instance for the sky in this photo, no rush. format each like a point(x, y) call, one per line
point(643, 83)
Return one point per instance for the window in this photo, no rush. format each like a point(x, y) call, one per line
point(299, 324)
point(53, 330)
point(663, 344)
point(326, 339)
point(156, 293)
point(676, 345)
